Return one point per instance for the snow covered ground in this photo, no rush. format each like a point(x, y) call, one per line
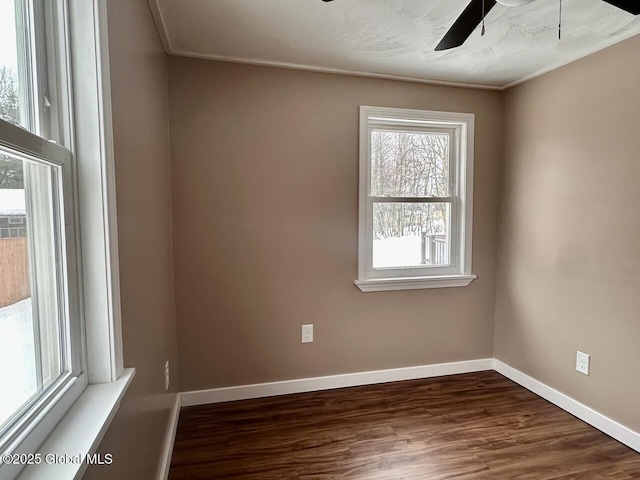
point(12, 201)
point(397, 252)
point(17, 357)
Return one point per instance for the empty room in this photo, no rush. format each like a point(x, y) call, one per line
point(319, 239)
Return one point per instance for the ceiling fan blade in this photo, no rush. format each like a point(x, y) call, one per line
point(631, 6)
point(465, 24)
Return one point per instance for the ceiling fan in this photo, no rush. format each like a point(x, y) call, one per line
point(475, 12)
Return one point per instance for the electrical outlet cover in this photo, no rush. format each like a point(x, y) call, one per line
point(582, 362)
point(307, 333)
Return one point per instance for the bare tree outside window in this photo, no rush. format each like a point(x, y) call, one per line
point(9, 96)
point(416, 165)
point(11, 172)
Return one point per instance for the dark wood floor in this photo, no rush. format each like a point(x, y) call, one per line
point(474, 426)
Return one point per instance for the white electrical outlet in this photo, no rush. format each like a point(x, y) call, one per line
point(167, 378)
point(582, 362)
point(307, 333)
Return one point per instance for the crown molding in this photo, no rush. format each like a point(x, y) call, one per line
point(334, 71)
point(158, 18)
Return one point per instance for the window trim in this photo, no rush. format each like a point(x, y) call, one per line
point(462, 125)
point(93, 134)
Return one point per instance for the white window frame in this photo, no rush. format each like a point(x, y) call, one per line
point(460, 128)
point(77, 426)
point(39, 416)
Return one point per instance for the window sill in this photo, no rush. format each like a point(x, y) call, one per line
point(80, 431)
point(407, 283)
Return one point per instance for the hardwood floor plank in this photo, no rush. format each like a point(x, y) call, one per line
point(478, 426)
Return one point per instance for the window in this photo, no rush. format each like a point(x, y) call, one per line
point(43, 352)
point(416, 193)
point(41, 364)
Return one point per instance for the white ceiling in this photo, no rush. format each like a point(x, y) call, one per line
point(392, 37)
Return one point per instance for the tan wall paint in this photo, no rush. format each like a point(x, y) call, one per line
point(265, 199)
point(143, 180)
point(570, 231)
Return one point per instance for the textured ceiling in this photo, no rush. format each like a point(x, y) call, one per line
point(392, 37)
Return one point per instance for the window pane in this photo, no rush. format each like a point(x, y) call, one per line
point(409, 164)
point(411, 234)
point(31, 352)
point(12, 64)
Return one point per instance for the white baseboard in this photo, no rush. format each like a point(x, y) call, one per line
point(169, 440)
point(601, 422)
point(261, 390)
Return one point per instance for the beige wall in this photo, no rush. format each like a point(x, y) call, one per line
point(570, 234)
point(265, 191)
point(143, 177)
